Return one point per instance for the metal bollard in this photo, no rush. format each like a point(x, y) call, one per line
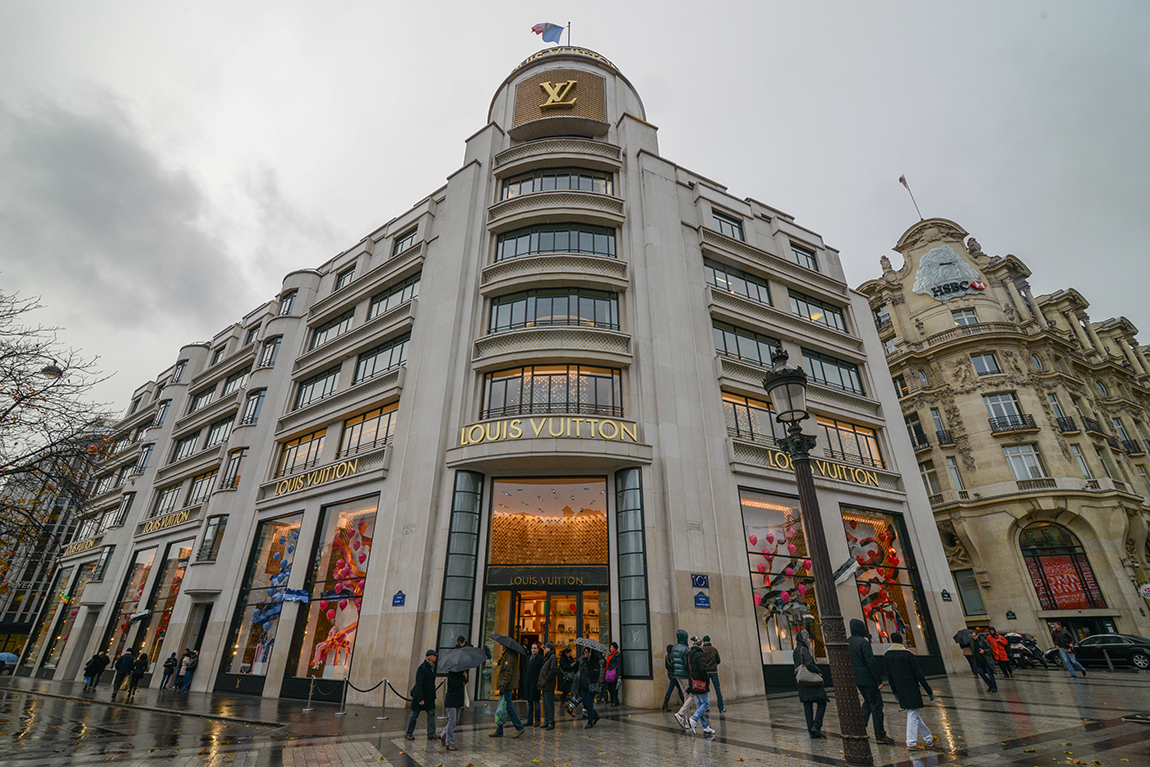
point(343, 703)
point(383, 707)
point(310, 689)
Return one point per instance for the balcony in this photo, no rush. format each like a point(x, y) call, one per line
point(1113, 442)
point(944, 438)
point(1010, 423)
point(1133, 447)
point(557, 205)
point(1092, 426)
point(1044, 483)
point(919, 442)
point(1067, 425)
point(882, 324)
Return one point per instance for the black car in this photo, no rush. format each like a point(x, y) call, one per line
point(1123, 649)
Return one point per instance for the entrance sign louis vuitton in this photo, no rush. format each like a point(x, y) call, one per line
point(549, 427)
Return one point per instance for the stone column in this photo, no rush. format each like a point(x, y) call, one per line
point(1139, 354)
point(1016, 298)
point(1127, 346)
point(1034, 306)
point(1094, 336)
point(1079, 333)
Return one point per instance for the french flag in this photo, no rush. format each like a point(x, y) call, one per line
point(552, 33)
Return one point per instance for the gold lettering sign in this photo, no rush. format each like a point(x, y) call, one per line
point(76, 548)
point(178, 518)
point(779, 460)
point(549, 426)
point(557, 94)
point(564, 50)
point(546, 580)
point(317, 477)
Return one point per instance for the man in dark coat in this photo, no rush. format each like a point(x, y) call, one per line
point(814, 699)
point(423, 696)
point(139, 669)
point(905, 678)
point(1064, 640)
point(983, 660)
point(169, 669)
point(683, 677)
point(963, 639)
point(697, 667)
point(713, 660)
point(548, 671)
point(868, 679)
point(453, 701)
point(672, 684)
point(531, 686)
point(94, 668)
point(123, 668)
point(506, 680)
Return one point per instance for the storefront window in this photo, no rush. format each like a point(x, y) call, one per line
point(43, 630)
point(127, 612)
point(335, 586)
point(261, 598)
point(887, 580)
point(1059, 569)
point(163, 599)
point(781, 584)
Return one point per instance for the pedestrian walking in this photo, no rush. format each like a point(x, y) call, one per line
point(1064, 640)
point(700, 686)
point(170, 666)
point(1000, 648)
point(813, 696)
point(964, 640)
point(548, 671)
point(905, 679)
point(139, 669)
point(869, 679)
point(423, 696)
point(683, 678)
point(530, 686)
point(94, 669)
point(507, 679)
point(672, 685)
point(190, 670)
point(614, 674)
point(182, 669)
point(453, 701)
point(713, 661)
point(588, 679)
point(983, 659)
point(567, 666)
point(123, 670)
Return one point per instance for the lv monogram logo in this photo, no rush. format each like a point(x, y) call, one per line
point(557, 93)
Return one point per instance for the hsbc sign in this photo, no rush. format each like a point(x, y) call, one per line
point(943, 274)
point(960, 288)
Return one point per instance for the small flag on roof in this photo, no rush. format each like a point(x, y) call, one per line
point(552, 33)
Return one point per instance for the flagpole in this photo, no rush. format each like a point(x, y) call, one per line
point(902, 180)
point(569, 33)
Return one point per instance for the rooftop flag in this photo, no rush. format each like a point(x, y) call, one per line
point(552, 33)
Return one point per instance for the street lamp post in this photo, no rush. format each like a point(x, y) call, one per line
point(786, 385)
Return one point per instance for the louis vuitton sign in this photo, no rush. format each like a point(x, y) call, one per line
point(560, 93)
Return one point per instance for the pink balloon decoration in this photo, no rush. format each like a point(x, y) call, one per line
point(362, 558)
point(789, 571)
point(790, 533)
point(762, 567)
point(355, 545)
point(758, 599)
point(361, 582)
point(806, 564)
point(770, 537)
point(792, 548)
point(331, 615)
point(754, 539)
point(339, 563)
point(343, 604)
point(322, 605)
point(785, 597)
point(802, 589)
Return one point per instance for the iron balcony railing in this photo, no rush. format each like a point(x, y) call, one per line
point(919, 442)
point(945, 437)
point(1091, 425)
point(1113, 442)
point(1066, 425)
point(1020, 422)
point(1133, 446)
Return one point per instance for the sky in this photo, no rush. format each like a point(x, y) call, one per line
point(164, 164)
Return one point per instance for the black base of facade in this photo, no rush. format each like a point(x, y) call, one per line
point(326, 690)
point(240, 683)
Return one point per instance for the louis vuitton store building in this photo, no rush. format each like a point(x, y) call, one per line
point(530, 405)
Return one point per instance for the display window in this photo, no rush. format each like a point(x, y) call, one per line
point(887, 580)
point(780, 569)
point(71, 606)
point(163, 600)
point(261, 598)
point(1059, 569)
point(128, 609)
point(323, 645)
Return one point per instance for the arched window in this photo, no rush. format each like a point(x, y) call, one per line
point(1059, 569)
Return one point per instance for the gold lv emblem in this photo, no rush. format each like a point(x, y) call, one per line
point(556, 94)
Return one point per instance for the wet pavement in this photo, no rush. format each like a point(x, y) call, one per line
point(1039, 718)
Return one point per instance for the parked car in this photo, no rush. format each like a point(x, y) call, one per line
point(1123, 649)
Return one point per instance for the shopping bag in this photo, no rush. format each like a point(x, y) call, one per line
point(501, 716)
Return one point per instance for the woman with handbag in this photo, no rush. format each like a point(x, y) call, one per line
point(614, 670)
point(810, 683)
point(700, 686)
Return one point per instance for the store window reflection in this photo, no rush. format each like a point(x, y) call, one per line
point(163, 600)
point(128, 611)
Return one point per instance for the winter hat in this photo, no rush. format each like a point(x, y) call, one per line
point(430, 653)
point(550, 645)
point(707, 639)
point(696, 642)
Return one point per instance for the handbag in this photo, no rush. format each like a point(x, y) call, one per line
point(807, 678)
point(700, 685)
point(610, 675)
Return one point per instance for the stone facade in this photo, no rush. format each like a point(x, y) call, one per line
point(1030, 425)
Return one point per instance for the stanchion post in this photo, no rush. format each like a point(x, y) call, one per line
point(310, 689)
point(343, 703)
point(383, 706)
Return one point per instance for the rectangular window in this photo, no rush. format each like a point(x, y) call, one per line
point(1002, 405)
point(462, 559)
point(882, 317)
point(331, 329)
point(817, 311)
point(167, 500)
point(269, 352)
point(955, 476)
point(185, 447)
point(929, 478)
point(134, 406)
point(387, 356)
point(213, 537)
point(728, 225)
point(545, 389)
point(849, 442)
point(156, 394)
point(219, 431)
point(393, 297)
point(890, 346)
point(301, 453)
point(556, 238)
point(316, 388)
point(964, 317)
point(233, 469)
point(1145, 478)
point(915, 430)
point(201, 488)
point(178, 373)
point(831, 371)
point(236, 381)
point(252, 407)
point(804, 257)
point(250, 336)
point(1056, 406)
point(743, 344)
point(936, 417)
point(145, 454)
point(102, 563)
point(404, 241)
point(1104, 461)
point(218, 355)
point(561, 306)
point(552, 179)
point(968, 592)
point(1080, 459)
point(731, 280)
point(368, 431)
point(103, 485)
point(900, 386)
point(161, 412)
point(287, 301)
point(985, 364)
point(202, 398)
point(634, 612)
point(1025, 461)
point(120, 515)
point(344, 278)
point(751, 420)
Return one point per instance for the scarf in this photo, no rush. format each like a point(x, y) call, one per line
point(896, 646)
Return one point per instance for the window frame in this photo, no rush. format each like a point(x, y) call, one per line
point(533, 238)
point(804, 256)
point(728, 225)
point(287, 303)
point(801, 301)
point(344, 278)
point(824, 360)
point(981, 368)
point(331, 330)
point(404, 240)
point(326, 377)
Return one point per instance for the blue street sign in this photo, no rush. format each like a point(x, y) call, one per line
point(703, 601)
point(398, 599)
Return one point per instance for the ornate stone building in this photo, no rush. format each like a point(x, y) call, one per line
point(1031, 429)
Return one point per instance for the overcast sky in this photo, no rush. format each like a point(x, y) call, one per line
point(163, 164)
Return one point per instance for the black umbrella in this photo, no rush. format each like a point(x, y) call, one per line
point(509, 643)
point(460, 659)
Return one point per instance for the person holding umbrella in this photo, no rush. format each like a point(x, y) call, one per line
point(507, 679)
point(423, 696)
point(547, 673)
point(455, 663)
point(589, 677)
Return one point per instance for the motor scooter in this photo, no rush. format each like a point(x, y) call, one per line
point(1024, 651)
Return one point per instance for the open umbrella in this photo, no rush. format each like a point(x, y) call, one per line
point(593, 644)
point(509, 643)
point(9, 657)
point(461, 658)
